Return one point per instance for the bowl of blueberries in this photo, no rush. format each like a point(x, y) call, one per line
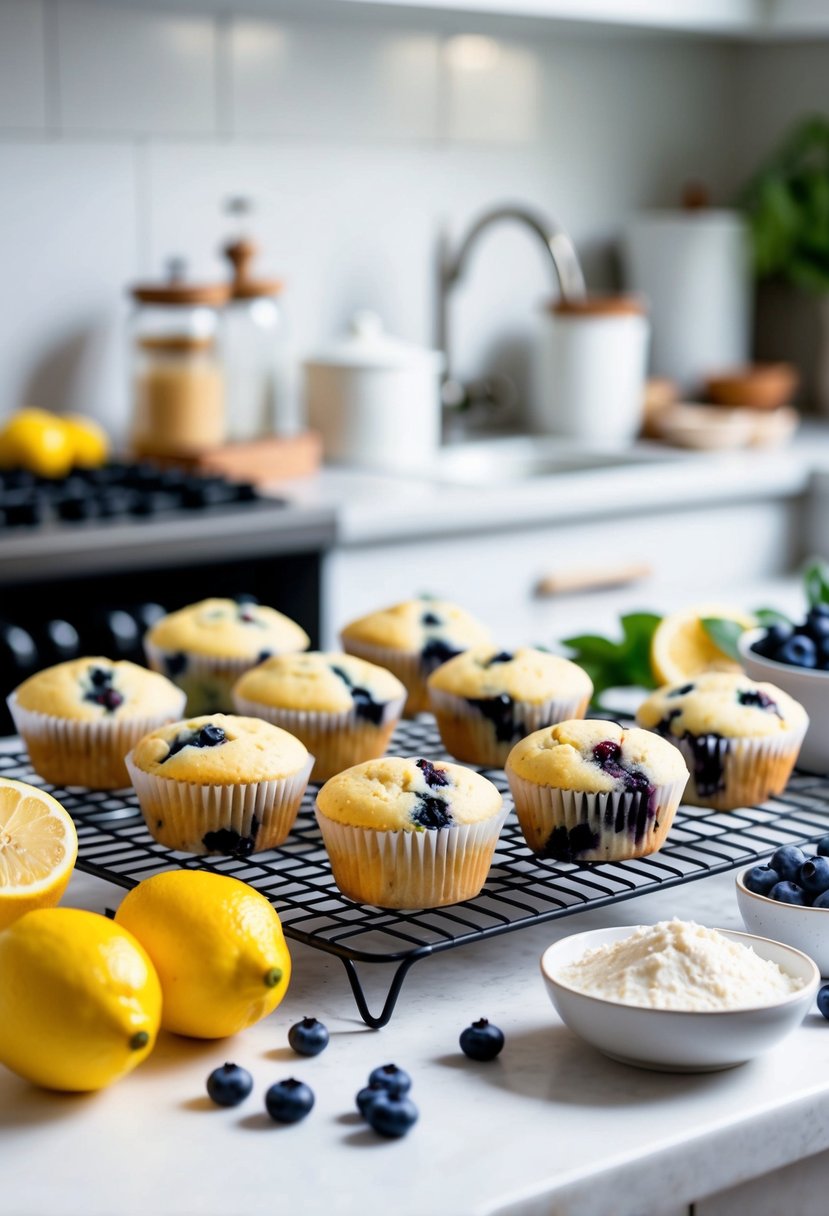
point(787, 899)
point(796, 659)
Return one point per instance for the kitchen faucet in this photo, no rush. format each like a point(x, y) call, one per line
point(568, 276)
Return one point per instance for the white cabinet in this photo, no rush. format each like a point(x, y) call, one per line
point(694, 553)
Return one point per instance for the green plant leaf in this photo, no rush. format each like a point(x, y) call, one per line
point(724, 634)
point(816, 582)
point(617, 664)
point(771, 616)
point(593, 646)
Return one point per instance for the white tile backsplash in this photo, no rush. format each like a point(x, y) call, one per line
point(492, 89)
point(135, 71)
point(331, 82)
point(22, 65)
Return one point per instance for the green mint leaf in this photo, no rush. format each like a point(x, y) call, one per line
point(771, 616)
point(724, 634)
point(816, 582)
point(592, 646)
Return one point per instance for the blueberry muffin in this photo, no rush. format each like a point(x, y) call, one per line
point(79, 719)
point(219, 784)
point(409, 833)
point(206, 647)
point(342, 708)
point(739, 739)
point(485, 700)
point(592, 791)
point(412, 639)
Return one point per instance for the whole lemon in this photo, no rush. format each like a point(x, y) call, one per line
point(218, 948)
point(38, 441)
point(80, 1002)
point(89, 441)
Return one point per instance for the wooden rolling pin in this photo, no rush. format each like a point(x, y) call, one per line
point(573, 581)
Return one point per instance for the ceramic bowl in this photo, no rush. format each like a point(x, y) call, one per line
point(808, 686)
point(668, 1040)
point(806, 929)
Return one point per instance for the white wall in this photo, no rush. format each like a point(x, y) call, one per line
point(123, 130)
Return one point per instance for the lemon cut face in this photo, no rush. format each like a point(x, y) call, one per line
point(681, 649)
point(38, 848)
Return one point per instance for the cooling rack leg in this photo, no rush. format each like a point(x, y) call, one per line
point(391, 998)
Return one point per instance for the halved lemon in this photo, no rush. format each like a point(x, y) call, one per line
point(38, 847)
point(681, 649)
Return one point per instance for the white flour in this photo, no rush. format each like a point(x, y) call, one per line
point(679, 965)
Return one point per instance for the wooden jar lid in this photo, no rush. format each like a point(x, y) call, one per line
point(599, 306)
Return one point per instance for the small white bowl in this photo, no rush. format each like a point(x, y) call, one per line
point(805, 929)
point(668, 1040)
point(807, 685)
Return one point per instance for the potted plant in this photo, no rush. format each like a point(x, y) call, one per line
point(787, 205)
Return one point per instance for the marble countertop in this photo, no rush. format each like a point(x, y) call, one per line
point(371, 507)
point(551, 1126)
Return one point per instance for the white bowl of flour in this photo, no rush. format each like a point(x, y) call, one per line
point(677, 996)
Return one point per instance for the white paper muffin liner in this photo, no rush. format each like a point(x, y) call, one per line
point(593, 826)
point(337, 740)
point(407, 665)
point(206, 679)
point(469, 736)
point(65, 751)
point(753, 769)
point(247, 817)
point(399, 869)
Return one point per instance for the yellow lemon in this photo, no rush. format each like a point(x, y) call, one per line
point(38, 441)
point(38, 847)
point(80, 1002)
point(89, 441)
point(681, 649)
point(218, 948)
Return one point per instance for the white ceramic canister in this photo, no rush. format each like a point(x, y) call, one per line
point(591, 370)
point(375, 399)
point(694, 269)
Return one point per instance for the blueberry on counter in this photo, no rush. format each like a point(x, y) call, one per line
point(787, 861)
point(814, 876)
point(368, 1095)
point(823, 1001)
point(788, 893)
point(391, 1078)
point(392, 1115)
point(761, 879)
point(289, 1101)
point(229, 1085)
point(482, 1040)
point(308, 1037)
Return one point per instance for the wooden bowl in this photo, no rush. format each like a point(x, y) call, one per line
point(762, 386)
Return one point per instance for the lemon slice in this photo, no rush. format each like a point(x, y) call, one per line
point(681, 648)
point(38, 847)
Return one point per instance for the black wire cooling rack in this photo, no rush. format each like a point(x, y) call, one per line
point(114, 844)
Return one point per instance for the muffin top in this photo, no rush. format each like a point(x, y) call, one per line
point(326, 683)
point(97, 689)
point(228, 629)
point(411, 795)
point(220, 749)
point(721, 703)
point(523, 675)
point(434, 628)
point(596, 756)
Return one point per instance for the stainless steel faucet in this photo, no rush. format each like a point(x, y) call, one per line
point(569, 278)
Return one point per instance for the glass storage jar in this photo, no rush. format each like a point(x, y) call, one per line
point(178, 378)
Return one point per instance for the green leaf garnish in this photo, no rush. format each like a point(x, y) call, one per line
point(816, 582)
point(724, 634)
point(771, 616)
point(617, 664)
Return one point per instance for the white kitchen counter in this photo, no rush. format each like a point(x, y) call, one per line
point(550, 1127)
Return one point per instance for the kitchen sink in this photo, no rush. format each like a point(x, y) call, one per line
point(527, 457)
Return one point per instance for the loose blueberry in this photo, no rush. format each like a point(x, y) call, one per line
point(229, 1085)
point(814, 876)
point(787, 861)
point(799, 651)
point(823, 1001)
point(788, 893)
point(289, 1101)
point(482, 1040)
point(823, 846)
point(308, 1037)
point(367, 1096)
point(392, 1115)
point(761, 879)
point(391, 1078)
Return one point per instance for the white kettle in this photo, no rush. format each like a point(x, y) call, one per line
point(375, 399)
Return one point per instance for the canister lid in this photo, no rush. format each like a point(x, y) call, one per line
point(368, 345)
point(599, 306)
point(178, 292)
